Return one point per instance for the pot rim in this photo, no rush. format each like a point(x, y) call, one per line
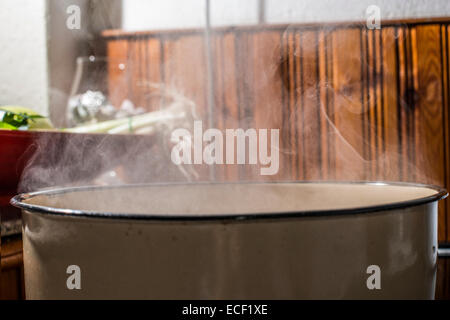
point(18, 201)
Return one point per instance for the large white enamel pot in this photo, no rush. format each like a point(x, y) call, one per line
point(232, 241)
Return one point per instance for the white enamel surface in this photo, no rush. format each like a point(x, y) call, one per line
point(206, 199)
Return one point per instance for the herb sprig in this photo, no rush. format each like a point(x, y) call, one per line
point(16, 121)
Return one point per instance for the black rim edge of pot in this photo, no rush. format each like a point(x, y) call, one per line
point(18, 201)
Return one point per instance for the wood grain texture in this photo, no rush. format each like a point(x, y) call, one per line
point(11, 275)
point(117, 76)
point(443, 279)
point(430, 131)
point(445, 37)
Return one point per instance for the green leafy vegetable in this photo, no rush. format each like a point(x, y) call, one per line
point(13, 120)
point(4, 125)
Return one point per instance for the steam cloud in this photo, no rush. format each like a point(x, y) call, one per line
point(65, 159)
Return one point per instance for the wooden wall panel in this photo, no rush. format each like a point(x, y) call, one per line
point(290, 106)
point(154, 66)
point(299, 115)
point(11, 270)
point(445, 36)
point(443, 280)
point(391, 157)
point(429, 106)
point(245, 84)
point(430, 132)
point(227, 113)
point(349, 107)
point(185, 70)
point(118, 80)
point(312, 123)
point(268, 85)
point(404, 108)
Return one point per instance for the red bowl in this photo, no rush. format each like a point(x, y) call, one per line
point(16, 148)
point(15, 151)
point(63, 157)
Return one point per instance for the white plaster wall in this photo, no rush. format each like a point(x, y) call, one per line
point(287, 11)
point(175, 14)
point(169, 14)
point(234, 12)
point(23, 54)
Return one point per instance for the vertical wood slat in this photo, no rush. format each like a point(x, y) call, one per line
point(443, 280)
point(389, 77)
point(401, 104)
point(268, 86)
point(323, 104)
point(429, 105)
point(311, 102)
point(443, 269)
point(11, 274)
point(430, 130)
point(117, 79)
point(154, 56)
point(445, 37)
point(371, 119)
point(349, 104)
point(292, 104)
